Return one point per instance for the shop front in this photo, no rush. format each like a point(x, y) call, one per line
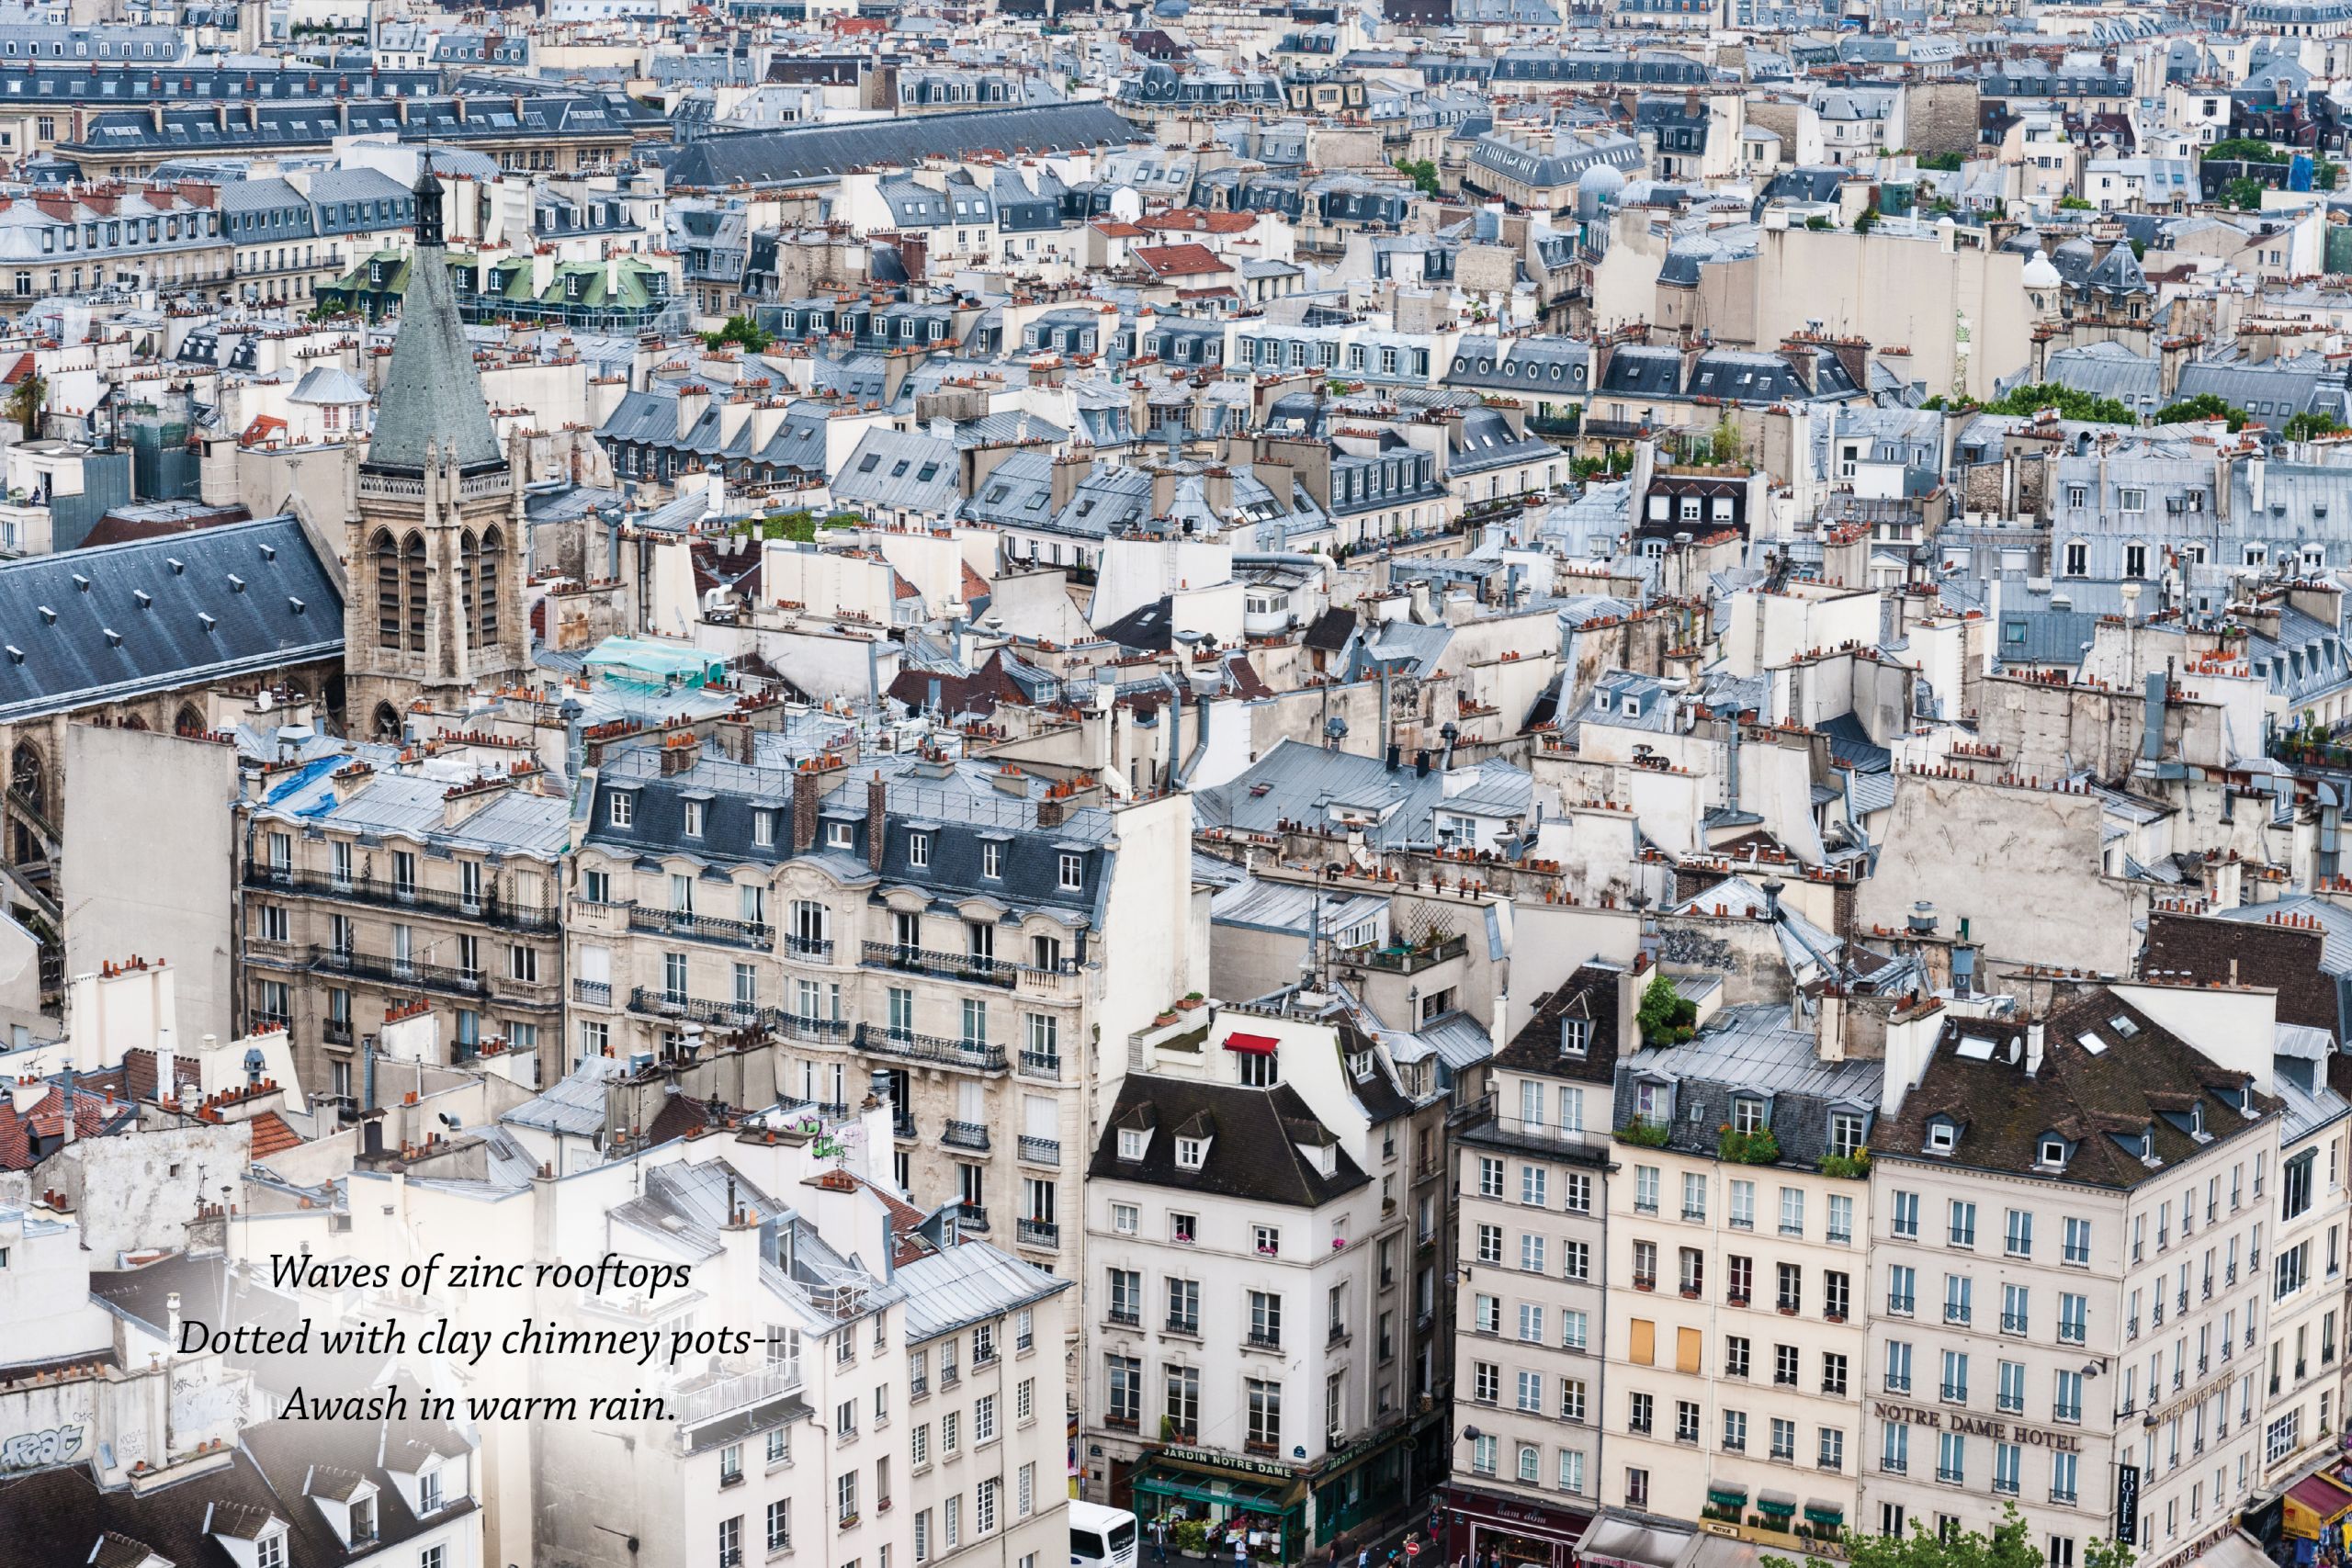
point(1364, 1484)
point(1258, 1500)
point(1491, 1529)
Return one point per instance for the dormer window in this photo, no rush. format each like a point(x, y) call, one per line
point(1943, 1135)
point(1653, 1103)
point(2148, 1142)
point(918, 850)
point(2053, 1152)
point(694, 819)
point(1073, 872)
point(428, 1492)
point(1575, 1036)
point(363, 1520)
point(2197, 1121)
point(269, 1551)
point(1190, 1153)
point(1748, 1115)
point(1131, 1142)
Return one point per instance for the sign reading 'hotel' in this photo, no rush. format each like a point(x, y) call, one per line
point(1978, 1427)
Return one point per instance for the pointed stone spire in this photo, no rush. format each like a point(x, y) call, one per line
point(431, 395)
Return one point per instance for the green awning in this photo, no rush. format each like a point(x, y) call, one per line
point(1727, 1497)
point(1822, 1513)
point(1770, 1504)
point(1239, 1495)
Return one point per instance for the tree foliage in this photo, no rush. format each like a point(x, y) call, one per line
point(1666, 1016)
point(2306, 426)
point(2073, 204)
point(25, 403)
point(2009, 1546)
point(2071, 404)
point(2243, 149)
point(1946, 163)
point(2204, 405)
point(2246, 194)
point(740, 332)
point(1422, 173)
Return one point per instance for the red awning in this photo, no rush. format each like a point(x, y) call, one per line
point(1255, 1045)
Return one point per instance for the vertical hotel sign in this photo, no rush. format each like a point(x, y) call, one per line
point(2127, 1505)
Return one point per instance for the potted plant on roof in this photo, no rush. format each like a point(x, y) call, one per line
point(1191, 1000)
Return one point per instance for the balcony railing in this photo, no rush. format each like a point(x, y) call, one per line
point(654, 1003)
point(1041, 1064)
point(965, 1136)
point(1402, 961)
point(722, 1394)
point(595, 993)
point(405, 895)
point(814, 950)
point(817, 1031)
point(1058, 982)
point(335, 1031)
point(397, 971)
point(972, 1216)
point(701, 927)
point(1041, 1151)
point(975, 1054)
point(1039, 1233)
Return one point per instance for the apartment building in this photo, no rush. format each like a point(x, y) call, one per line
point(1737, 1231)
point(944, 923)
point(365, 890)
point(2302, 1372)
point(987, 1442)
point(1531, 1173)
point(2069, 1222)
point(1249, 1239)
point(154, 235)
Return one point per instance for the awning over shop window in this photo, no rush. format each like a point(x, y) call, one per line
point(1251, 1045)
point(1823, 1514)
point(1165, 1477)
point(1776, 1502)
point(1727, 1497)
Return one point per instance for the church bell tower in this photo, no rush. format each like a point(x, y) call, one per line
point(435, 606)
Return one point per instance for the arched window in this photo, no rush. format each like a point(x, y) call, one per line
point(134, 721)
point(386, 724)
point(29, 777)
point(413, 564)
point(189, 721)
point(387, 589)
point(494, 555)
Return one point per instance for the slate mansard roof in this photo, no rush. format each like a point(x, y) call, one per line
point(956, 806)
point(1253, 1142)
point(122, 620)
point(806, 153)
point(2110, 1073)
